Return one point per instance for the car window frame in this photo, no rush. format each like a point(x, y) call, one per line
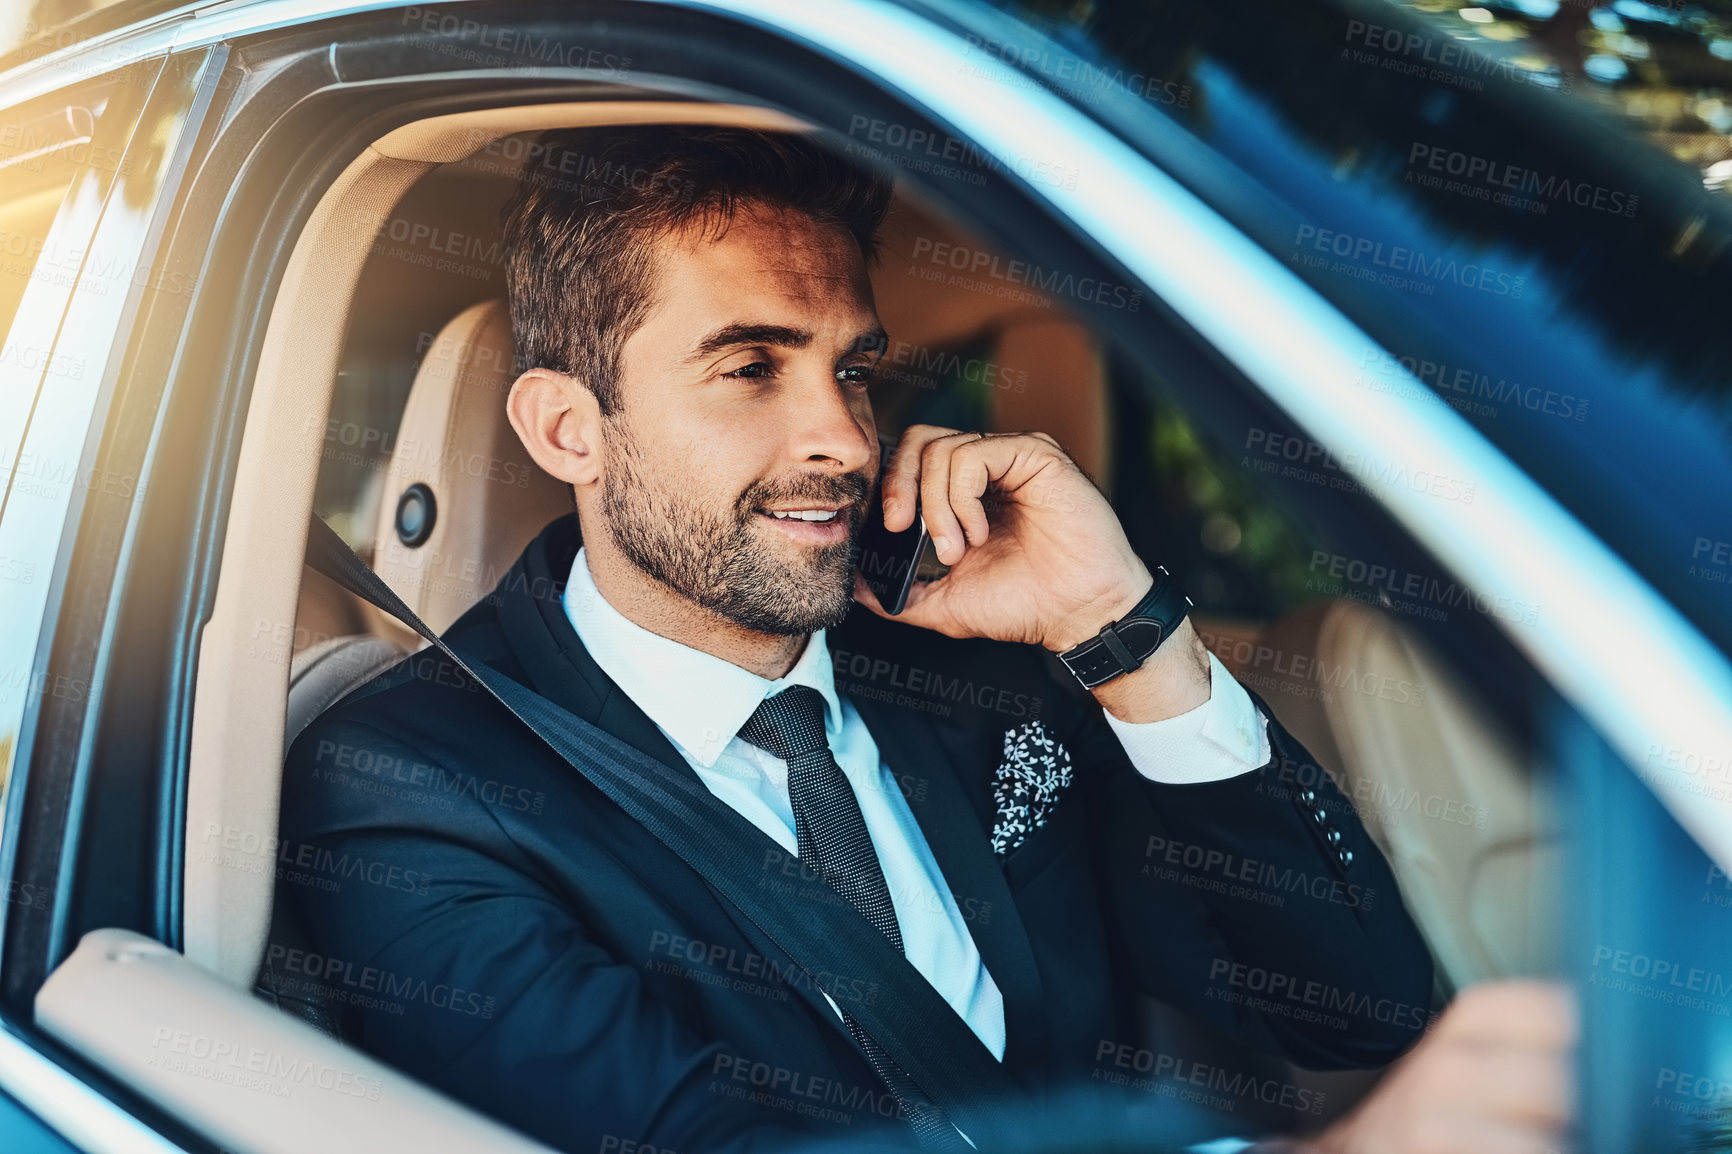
point(66, 1094)
point(31, 651)
point(72, 641)
point(35, 327)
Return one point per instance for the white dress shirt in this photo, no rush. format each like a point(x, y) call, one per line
point(700, 701)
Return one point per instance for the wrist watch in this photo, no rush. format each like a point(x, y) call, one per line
point(1125, 644)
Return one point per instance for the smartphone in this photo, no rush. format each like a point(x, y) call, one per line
point(889, 560)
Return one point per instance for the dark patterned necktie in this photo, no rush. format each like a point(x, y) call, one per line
point(828, 824)
point(835, 844)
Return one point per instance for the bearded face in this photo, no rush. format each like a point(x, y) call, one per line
point(728, 553)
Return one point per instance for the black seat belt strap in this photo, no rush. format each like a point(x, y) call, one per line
point(921, 1032)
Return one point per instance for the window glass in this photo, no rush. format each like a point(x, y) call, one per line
point(1651, 935)
point(37, 167)
point(60, 159)
point(1461, 191)
point(50, 198)
point(1663, 68)
point(45, 147)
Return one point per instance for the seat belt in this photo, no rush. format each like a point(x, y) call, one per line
point(920, 1031)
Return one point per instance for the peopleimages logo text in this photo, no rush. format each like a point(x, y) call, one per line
point(1409, 261)
point(1518, 180)
point(1440, 58)
point(1334, 572)
point(1278, 987)
point(1461, 386)
point(1054, 282)
point(1663, 972)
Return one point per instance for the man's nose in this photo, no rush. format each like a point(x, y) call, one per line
point(832, 427)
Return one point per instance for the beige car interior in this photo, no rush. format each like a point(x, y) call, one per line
point(1469, 885)
point(454, 439)
point(1446, 795)
point(244, 1075)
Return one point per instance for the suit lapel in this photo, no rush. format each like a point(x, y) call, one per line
point(542, 639)
point(954, 817)
point(540, 636)
point(955, 821)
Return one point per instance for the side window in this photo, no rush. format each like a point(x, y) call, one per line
point(51, 194)
point(37, 157)
point(1648, 948)
point(1301, 587)
point(62, 158)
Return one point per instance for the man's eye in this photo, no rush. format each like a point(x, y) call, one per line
point(755, 369)
point(858, 374)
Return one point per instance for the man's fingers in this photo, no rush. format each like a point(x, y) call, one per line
point(902, 475)
point(1527, 1014)
point(947, 536)
point(951, 471)
point(1524, 1087)
point(969, 476)
point(1471, 1134)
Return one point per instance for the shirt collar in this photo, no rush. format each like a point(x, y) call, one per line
point(697, 699)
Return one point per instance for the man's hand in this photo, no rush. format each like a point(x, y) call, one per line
point(1492, 1077)
point(1036, 554)
point(1036, 557)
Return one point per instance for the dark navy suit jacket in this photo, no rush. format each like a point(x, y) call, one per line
point(482, 917)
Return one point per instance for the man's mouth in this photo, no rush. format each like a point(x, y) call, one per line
point(803, 514)
point(810, 525)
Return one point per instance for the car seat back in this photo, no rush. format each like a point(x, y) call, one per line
point(462, 497)
point(1449, 798)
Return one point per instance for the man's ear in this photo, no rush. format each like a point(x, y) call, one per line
point(559, 421)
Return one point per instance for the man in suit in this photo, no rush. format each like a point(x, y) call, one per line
point(693, 309)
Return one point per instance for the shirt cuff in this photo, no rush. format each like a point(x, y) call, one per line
point(1221, 738)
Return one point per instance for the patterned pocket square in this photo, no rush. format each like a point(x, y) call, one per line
point(1035, 770)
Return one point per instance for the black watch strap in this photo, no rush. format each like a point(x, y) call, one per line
point(1125, 644)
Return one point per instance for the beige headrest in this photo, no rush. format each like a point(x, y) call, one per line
point(489, 498)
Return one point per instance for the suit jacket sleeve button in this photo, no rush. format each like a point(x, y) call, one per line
point(1346, 856)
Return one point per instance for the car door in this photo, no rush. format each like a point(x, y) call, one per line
point(80, 192)
point(86, 841)
point(1143, 254)
point(1544, 285)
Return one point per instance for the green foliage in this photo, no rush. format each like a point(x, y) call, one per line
point(1235, 521)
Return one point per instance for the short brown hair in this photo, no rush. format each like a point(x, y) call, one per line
point(578, 270)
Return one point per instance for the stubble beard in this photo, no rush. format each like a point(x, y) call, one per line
point(719, 560)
